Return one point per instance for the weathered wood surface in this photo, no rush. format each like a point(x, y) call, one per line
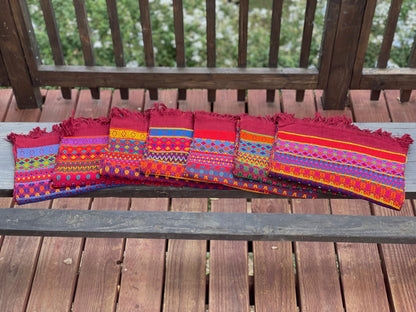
point(7, 165)
point(207, 225)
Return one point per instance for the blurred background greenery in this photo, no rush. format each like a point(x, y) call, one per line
point(226, 32)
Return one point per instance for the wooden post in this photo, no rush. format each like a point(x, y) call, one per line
point(27, 96)
point(344, 52)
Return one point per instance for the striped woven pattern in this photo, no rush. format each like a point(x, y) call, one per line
point(126, 144)
point(81, 151)
point(35, 156)
point(254, 147)
point(168, 143)
point(333, 154)
point(212, 154)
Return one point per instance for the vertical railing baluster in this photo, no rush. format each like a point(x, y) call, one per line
point(405, 94)
point(390, 29)
point(211, 42)
point(117, 40)
point(54, 39)
point(242, 42)
point(345, 45)
point(363, 43)
point(306, 41)
point(147, 39)
point(4, 79)
point(274, 41)
point(179, 40)
point(19, 52)
point(85, 38)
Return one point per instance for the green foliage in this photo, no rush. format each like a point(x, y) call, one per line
point(195, 32)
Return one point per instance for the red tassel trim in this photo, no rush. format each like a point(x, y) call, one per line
point(85, 126)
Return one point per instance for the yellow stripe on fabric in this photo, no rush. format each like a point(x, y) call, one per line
point(339, 174)
point(126, 134)
point(337, 186)
point(343, 150)
point(337, 162)
point(344, 142)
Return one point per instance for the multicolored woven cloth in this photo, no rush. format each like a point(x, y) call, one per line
point(254, 147)
point(126, 144)
point(168, 142)
point(334, 154)
point(81, 151)
point(211, 157)
point(35, 155)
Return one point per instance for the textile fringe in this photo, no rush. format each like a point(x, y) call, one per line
point(124, 112)
point(217, 115)
point(71, 125)
point(265, 118)
point(345, 123)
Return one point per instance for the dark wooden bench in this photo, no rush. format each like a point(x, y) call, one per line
point(204, 226)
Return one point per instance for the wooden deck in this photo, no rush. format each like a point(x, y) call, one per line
point(97, 274)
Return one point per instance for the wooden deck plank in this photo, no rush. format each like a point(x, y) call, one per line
point(274, 285)
point(185, 281)
point(56, 108)
point(6, 96)
point(319, 287)
point(167, 97)
point(89, 107)
point(359, 264)
point(257, 104)
point(16, 114)
point(366, 110)
point(18, 258)
point(228, 280)
point(142, 276)
point(274, 275)
point(100, 266)
point(315, 262)
point(399, 270)
point(134, 102)
point(57, 268)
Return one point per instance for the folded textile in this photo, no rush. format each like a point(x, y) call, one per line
point(332, 153)
point(168, 143)
point(83, 143)
point(254, 147)
point(35, 155)
point(211, 157)
point(126, 144)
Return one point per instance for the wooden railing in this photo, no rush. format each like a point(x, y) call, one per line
point(344, 44)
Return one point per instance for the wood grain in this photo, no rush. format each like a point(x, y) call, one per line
point(185, 280)
point(228, 280)
point(6, 96)
point(92, 107)
point(343, 56)
point(317, 274)
point(54, 38)
point(196, 101)
point(18, 258)
point(257, 104)
point(142, 279)
point(100, 266)
point(359, 264)
point(211, 42)
point(399, 270)
point(187, 77)
point(134, 103)
point(57, 268)
point(319, 287)
point(13, 56)
point(57, 108)
point(274, 275)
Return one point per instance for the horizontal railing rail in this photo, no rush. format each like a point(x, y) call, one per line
point(346, 32)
